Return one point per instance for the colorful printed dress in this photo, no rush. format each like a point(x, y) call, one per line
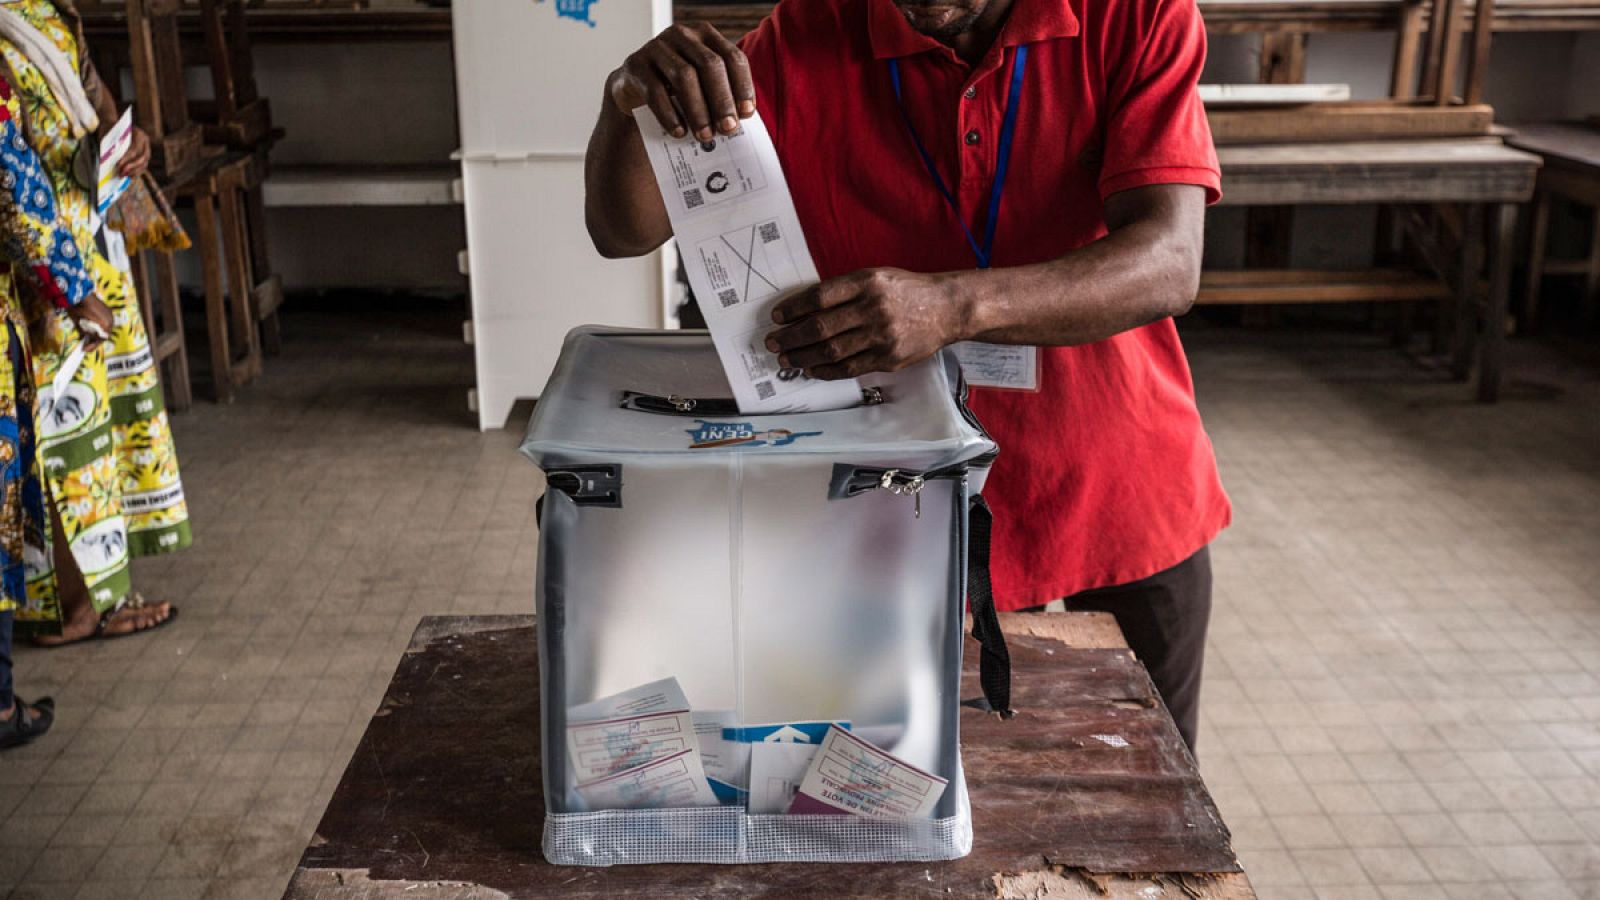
point(41, 265)
point(108, 452)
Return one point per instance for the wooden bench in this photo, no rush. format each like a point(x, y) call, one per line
point(214, 180)
point(1571, 154)
point(1267, 16)
point(1087, 792)
point(1485, 178)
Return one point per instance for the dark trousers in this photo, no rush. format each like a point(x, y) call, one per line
point(6, 700)
point(1164, 618)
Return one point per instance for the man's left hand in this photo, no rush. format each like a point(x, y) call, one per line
point(873, 320)
point(138, 156)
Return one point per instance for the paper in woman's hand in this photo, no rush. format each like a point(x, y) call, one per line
point(113, 147)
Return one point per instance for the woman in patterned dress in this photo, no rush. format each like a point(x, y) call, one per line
point(107, 449)
point(42, 274)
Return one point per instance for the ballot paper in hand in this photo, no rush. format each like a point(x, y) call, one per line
point(852, 777)
point(741, 245)
point(113, 147)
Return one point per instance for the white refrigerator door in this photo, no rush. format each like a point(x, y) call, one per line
point(530, 75)
point(535, 276)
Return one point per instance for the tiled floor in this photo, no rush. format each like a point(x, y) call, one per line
point(1403, 692)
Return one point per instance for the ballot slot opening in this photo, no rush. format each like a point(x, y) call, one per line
point(717, 407)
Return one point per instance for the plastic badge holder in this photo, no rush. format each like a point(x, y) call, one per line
point(782, 568)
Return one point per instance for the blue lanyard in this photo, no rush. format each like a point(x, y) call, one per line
point(1002, 160)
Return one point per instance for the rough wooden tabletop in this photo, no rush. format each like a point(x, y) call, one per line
point(443, 796)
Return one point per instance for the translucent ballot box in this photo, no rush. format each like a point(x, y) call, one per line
point(751, 626)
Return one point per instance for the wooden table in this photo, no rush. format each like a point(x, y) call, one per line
point(443, 795)
point(1571, 154)
point(1487, 179)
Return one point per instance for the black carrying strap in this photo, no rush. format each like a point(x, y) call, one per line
point(994, 660)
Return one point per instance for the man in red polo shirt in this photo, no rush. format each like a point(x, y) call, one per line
point(1022, 172)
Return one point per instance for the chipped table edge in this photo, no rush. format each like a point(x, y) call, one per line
point(1069, 883)
point(431, 628)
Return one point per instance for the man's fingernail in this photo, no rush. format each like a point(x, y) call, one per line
point(730, 124)
point(705, 134)
point(777, 316)
point(678, 132)
point(747, 108)
point(784, 360)
point(772, 345)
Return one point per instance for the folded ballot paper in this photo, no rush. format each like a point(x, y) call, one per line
point(646, 749)
point(741, 245)
point(849, 776)
point(637, 750)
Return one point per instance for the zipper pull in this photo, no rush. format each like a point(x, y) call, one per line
point(893, 482)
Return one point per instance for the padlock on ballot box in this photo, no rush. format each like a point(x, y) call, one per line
point(751, 626)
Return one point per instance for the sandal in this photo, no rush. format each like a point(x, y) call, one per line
point(135, 601)
point(21, 728)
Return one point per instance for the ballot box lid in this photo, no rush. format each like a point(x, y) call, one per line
point(617, 391)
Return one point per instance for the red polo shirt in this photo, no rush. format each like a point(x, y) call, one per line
point(1105, 475)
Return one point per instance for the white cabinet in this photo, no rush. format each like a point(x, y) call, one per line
point(530, 75)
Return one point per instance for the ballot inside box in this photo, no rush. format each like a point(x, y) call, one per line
point(751, 626)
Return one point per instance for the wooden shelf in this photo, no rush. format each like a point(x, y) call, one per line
point(1275, 286)
point(305, 26)
point(360, 185)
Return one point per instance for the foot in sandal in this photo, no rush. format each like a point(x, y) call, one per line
point(133, 617)
point(25, 722)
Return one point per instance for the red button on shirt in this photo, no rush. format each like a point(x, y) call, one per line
point(1105, 475)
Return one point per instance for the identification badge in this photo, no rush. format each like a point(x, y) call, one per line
point(1013, 367)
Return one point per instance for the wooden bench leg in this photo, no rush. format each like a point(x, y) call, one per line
point(1387, 251)
point(1469, 301)
point(1503, 245)
point(175, 364)
point(1538, 234)
point(241, 287)
point(269, 288)
point(139, 283)
point(205, 214)
point(166, 343)
point(1591, 277)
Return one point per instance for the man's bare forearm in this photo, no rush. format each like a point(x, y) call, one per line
point(622, 205)
point(1147, 268)
point(883, 319)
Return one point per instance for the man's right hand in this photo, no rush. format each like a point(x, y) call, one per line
point(693, 78)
